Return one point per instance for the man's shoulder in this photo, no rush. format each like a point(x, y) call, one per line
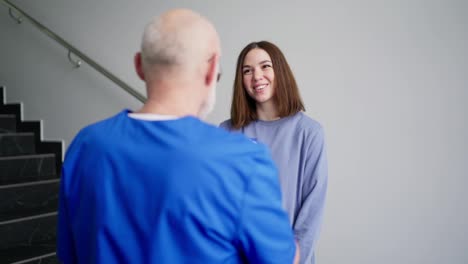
point(228, 143)
point(99, 129)
point(235, 140)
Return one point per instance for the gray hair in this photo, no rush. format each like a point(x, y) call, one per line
point(160, 48)
point(183, 40)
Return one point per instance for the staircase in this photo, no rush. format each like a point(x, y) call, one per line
point(29, 185)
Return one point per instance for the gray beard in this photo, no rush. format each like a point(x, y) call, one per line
point(208, 105)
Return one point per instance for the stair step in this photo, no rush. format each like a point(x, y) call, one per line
point(27, 168)
point(7, 123)
point(14, 144)
point(11, 109)
point(27, 238)
point(27, 199)
point(42, 146)
point(29, 187)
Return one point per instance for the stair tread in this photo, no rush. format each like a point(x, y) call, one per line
point(7, 123)
point(28, 238)
point(19, 253)
point(24, 200)
point(16, 144)
point(26, 168)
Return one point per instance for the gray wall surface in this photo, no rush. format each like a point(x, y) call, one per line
point(387, 79)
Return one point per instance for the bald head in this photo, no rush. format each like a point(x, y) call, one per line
point(179, 62)
point(178, 39)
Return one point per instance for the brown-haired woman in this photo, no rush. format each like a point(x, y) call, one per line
point(266, 107)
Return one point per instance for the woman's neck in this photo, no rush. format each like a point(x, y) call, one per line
point(267, 111)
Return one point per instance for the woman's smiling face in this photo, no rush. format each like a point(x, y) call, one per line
point(258, 76)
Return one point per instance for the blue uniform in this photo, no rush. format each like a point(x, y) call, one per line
point(175, 191)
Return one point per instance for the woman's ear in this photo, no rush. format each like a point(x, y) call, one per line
point(139, 66)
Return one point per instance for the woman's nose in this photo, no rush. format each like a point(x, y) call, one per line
point(258, 75)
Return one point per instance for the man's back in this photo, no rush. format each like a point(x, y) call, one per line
point(175, 191)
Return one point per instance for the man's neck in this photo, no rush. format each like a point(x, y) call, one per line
point(170, 96)
point(175, 108)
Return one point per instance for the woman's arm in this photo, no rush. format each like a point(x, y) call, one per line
point(314, 189)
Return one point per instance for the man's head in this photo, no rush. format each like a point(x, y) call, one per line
point(179, 61)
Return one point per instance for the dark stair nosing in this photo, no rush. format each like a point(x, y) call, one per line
point(46, 155)
point(26, 184)
point(35, 258)
point(29, 218)
point(17, 134)
point(7, 181)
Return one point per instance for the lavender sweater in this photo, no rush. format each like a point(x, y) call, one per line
point(298, 149)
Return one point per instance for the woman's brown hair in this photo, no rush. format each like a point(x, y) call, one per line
point(243, 108)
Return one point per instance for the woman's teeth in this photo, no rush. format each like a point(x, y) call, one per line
point(259, 88)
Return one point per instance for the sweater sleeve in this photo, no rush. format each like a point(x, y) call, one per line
point(226, 125)
point(314, 189)
point(264, 233)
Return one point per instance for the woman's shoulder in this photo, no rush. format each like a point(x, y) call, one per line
point(308, 123)
point(226, 124)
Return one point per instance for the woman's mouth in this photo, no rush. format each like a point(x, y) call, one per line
point(260, 87)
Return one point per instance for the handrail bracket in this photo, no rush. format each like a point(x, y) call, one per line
point(76, 63)
point(18, 19)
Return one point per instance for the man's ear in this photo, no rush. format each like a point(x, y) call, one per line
point(139, 66)
point(212, 73)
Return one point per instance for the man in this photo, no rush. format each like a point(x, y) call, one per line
point(161, 186)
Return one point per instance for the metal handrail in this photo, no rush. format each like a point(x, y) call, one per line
point(73, 50)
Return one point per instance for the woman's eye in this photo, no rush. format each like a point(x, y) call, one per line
point(246, 71)
point(266, 66)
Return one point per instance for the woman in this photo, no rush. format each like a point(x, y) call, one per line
point(267, 108)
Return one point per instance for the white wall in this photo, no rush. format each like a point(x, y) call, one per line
point(387, 79)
